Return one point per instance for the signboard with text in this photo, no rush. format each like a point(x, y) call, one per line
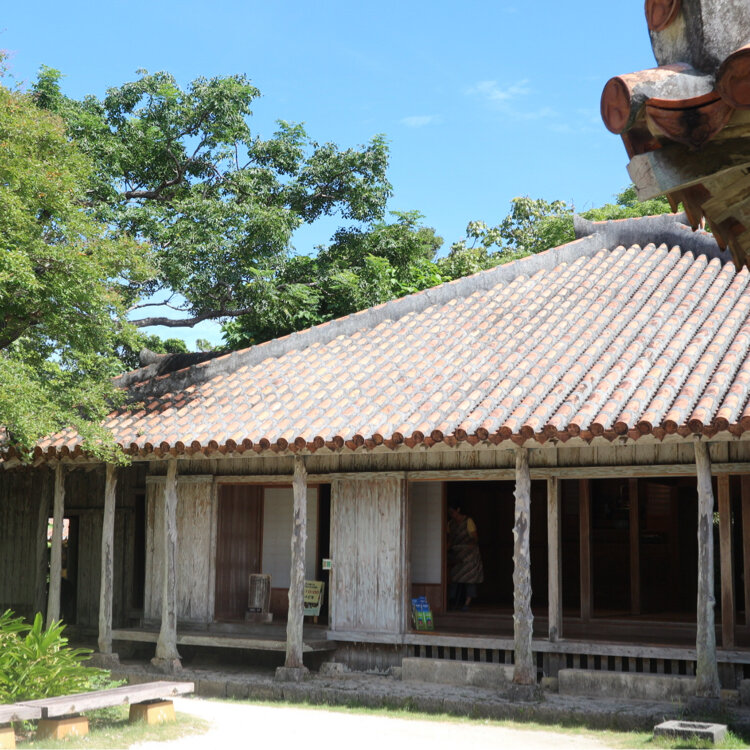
point(313, 597)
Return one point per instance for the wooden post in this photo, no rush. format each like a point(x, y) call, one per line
point(554, 567)
point(55, 563)
point(167, 656)
point(725, 557)
point(745, 485)
point(706, 670)
point(635, 548)
point(296, 619)
point(584, 525)
point(42, 558)
point(107, 561)
point(524, 672)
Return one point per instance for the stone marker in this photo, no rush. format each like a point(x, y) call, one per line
point(686, 730)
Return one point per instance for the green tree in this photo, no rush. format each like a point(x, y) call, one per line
point(65, 282)
point(360, 268)
point(532, 226)
point(182, 171)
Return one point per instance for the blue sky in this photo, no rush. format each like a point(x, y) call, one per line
point(481, 101)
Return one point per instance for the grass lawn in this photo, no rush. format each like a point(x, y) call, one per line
point(110, 728)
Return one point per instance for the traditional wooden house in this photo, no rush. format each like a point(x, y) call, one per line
point(566, 402)
point(588, 407)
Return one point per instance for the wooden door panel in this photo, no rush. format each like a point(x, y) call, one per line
point(238, 547)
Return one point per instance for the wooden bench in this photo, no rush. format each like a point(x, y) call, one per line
point(61, 716)
point(14, 713)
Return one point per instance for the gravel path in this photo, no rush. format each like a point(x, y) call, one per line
point(240, 725)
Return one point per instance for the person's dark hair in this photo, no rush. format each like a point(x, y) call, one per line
point(454, 505)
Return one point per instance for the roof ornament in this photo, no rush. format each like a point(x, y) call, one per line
point(685, 124)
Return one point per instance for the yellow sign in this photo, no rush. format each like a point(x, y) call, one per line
point(313, 597)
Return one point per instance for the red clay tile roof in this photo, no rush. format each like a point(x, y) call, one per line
point(576, 342)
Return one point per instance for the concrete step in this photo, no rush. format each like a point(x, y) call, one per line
point(448, 672)
point(633, 685)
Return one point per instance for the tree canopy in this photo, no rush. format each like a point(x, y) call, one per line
point(64, 284)
point(218, 204)
point(182, 171)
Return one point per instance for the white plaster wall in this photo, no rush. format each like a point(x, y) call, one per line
point(278, 518)
point(426, 500)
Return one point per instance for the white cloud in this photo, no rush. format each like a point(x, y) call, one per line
point(419, 121)
point(493, 92)
point(505, 99)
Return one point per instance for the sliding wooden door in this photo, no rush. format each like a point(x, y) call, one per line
point(238, 547)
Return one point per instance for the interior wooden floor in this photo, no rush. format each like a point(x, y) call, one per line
point(667, 629)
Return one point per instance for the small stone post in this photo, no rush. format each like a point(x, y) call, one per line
point(706, 671)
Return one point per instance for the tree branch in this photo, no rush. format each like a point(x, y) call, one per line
point(188, 322)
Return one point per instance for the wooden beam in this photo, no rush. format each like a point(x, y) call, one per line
point(635, 548)
point(554, 554)
point(706, 670)
point(605, 471)
point(42, 557)
point(584, 526)
point(745, 488)
point(524, 672)
point(107, 560)
point(55, 563)
point(167, 656)
point(675, 166)
point(296, 618)
point(725, 557)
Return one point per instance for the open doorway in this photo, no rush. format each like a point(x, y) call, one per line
point(491, 506)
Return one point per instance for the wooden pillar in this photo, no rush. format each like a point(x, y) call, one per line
point(107, 561)
point(584, 520)
point(726, 565)
point(167, 656)
point(635, 548)
point(745, 485)
point(554, 552)
point(55, 563)
point(42, 558)
point(706, 671)
point(296, 619)
point(524, 672)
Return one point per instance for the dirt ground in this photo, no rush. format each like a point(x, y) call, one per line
point(238, 725)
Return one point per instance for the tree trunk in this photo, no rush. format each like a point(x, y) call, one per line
point(166, 645)
point(524, 672)
point(706, 671)
point(107, 561)
point(296, 618)
point(55, 563)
